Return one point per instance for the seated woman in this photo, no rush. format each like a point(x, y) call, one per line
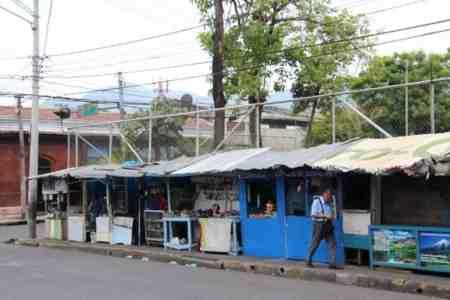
point(269, 211)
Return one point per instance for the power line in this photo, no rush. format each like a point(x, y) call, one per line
point(23, 6)
point(278, 51)
point(47, 28)
point(90, 88)
point(147, 58)
point(120, 44)
point(133, 71)
point(16, 15)
point(183, 52)
point(393, 7)
point(259, 65)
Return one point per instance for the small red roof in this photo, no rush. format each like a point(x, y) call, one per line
point(9, 112)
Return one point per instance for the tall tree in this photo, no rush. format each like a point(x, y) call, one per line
point(281, 39)
point(218, 89)
point(322, 53)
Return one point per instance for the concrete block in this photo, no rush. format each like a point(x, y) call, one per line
point(346, 278)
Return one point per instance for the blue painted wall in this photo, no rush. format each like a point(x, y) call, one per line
point(283, 236)
point(260, 237)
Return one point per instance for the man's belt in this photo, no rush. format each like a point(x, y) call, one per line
point(319, 219)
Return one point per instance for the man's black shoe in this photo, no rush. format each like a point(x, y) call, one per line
point(334, 267)
point(309, 265)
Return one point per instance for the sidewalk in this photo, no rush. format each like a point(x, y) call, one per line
point(392, 280)
point(18, 221)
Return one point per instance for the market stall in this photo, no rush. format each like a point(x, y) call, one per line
point(98, 203)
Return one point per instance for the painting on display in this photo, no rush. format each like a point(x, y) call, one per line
point(394, 246)
point(435, 250)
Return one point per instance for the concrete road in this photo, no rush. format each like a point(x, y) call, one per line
point(19, 231)
point(39, 273)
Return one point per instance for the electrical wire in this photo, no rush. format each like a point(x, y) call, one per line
point(16, 15)
point(50, 9)
point(158, 57)
point(115, 64)
point(88, 88)
point(133, 71)
point(23, 6)
point(393, 7)
point(206, 75)
point(120, 44)
point(272, 52)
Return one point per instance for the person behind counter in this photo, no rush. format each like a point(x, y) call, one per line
point(269, 211)
point(156, 199)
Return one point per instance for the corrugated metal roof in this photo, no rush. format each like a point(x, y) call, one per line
point(414, 154)
point(167, 167)
point(95, 172)
point(293, 159)
point(220, 162)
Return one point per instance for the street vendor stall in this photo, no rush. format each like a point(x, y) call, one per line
point(96, 207)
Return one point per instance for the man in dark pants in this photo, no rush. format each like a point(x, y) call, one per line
point(322, 216)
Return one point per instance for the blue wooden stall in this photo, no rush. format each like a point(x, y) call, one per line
point(285, 235)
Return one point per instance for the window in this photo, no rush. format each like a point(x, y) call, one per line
point(295, 198)
point(261, 201)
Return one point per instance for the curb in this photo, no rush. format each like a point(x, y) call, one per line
point(14, 222)
point(298, 272)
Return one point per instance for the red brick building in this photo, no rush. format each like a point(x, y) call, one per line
point(52, 149)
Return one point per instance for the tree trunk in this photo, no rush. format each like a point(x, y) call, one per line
point(311, 120)
point(157, 151)
point(21, 156)
point(217, 68)
point(253, 123)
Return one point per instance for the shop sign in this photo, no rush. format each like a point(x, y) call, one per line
point(435, 250)
point(394, 246)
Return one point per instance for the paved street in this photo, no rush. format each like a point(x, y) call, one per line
point(52, 274)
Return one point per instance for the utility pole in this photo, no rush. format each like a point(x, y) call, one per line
point(22, 165)
point(121, 109)
point(34, 142)
point(217, 69)
point(121, 86)
point(406, 99)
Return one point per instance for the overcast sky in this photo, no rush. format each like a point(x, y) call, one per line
point(85, 24)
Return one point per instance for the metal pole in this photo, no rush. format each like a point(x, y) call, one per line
point(238, 123)
point(258, 131)
point(293, 100)
point(22, 163)
point(124, 139)
point(406, 99)
point(68, 149)
point(110, 144)
point(77, 161)
point(150, 135)
point(169, 198)
point(197, 132)
point(93, 147)
point(375, 125)
point(34, 143)
point(432, 112)
point(121, 85)
point(333, 119)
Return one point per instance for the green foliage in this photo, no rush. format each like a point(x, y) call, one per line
point(166, 132)
point(387, 108)
point(323, 51)
point(348, 126)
